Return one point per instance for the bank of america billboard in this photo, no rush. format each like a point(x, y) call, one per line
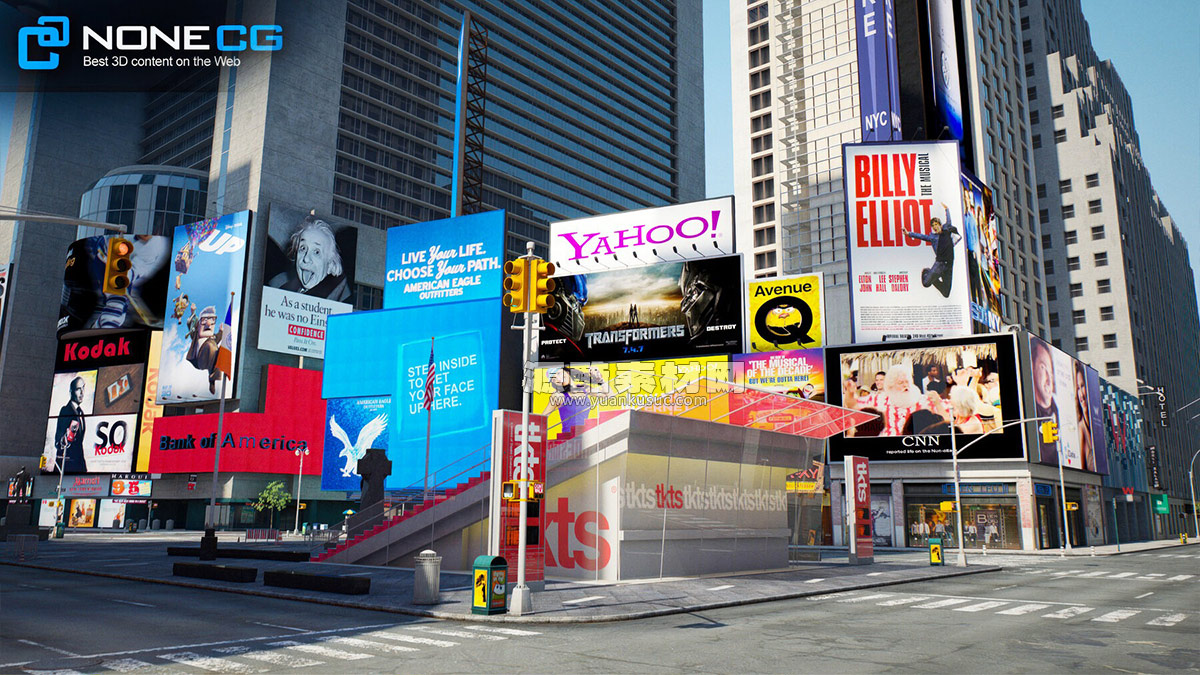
point(907, 255)
point(878, 74)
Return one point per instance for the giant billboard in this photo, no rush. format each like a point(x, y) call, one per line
point(907, 258)
point(85, 305)
point(450, 260)
point(798, 372)
point(946, 85)
point(1068, 391)
point(919, 389)
point(878, 71)
point(786, 312)
point(982, 237)
point(204, 309)
point(308, 274)
point(665, 310)
point(634, 238)
point(1122, 413)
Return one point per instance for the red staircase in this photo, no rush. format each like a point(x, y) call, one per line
point(391, 522)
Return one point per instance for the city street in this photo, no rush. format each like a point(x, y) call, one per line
point(1129, 613)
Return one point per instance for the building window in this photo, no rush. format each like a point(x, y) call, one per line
point(1064, 185)
point(760, 100)
point(1073, 264)
point(759, 123)
point(1095, 206)
point(1112, 369)
point(1071, 236)
point(759, 33)
point(1097, 232)
point(1110, 341)
point(1041, 190)
point(1068, 210)
point(760, 143)
point(1107, 313)
point(1060, 135)
point(1104, 286)
point(1054, 319)
point(1081, 344)
point(764, 237)
point(1077, 290)
point(1037, 141)
point(1057, 112)
point(367, 297)
point(1049, 266)
point(764, 260)
point(762, 166)
point(1078, 316)
point(1027, 46)
point(1031, 93)
point(1093, 180)
point(1043, 216)
point(764, 189)
point(760, 78)
point(1047, 240)
point(1029, 71)
point(1051, 294)
point(756, 13)
point(1024, 23)
point(760, 56)
point(764, 213)
point(1102, 259)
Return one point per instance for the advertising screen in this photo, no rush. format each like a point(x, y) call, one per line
point(878, 73)
point(112, 513)
point(982, 238)
point(786, 313)
point(82, 513)
point(918, 389)
point(675, 309)
point(634, 238)
point(85, 305)
point(204, 308)
point(908, 262)
point(451, 260)
point(1069, 392)
point(946, 86)
point(308, 274)
point(50, 513)
point(1122, 413)
point(352, 426)
point(150, 408)
point(799, 372)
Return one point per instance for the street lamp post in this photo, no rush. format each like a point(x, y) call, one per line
point(299, 477)
point(1192, 487)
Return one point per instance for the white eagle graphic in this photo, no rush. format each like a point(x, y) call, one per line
point(366, 437)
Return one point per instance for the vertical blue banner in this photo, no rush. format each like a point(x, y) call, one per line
point(878, 75)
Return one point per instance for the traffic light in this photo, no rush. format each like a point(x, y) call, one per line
point(1072, 506)
point(516, 285)
point(42, 462)
point(117, 267)
point(1049, 432)
point(946, 506)
point(543, 286)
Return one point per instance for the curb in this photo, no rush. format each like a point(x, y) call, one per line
point(506, 618)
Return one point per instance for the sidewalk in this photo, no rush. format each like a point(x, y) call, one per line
point(142, 557)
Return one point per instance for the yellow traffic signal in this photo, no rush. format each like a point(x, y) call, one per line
point(1072, 506)
point(1049, 432)
point(516, 285)
point(118, 265)
point(543, 286)
point(946, 506)
point(42, 462)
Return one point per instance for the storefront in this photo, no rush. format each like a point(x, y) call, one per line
point(990, 515)
point(1049, 516)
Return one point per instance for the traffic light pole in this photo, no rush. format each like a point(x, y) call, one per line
point(1062, 489)
point(522, 603)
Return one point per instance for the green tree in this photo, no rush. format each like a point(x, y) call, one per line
point(275, 496)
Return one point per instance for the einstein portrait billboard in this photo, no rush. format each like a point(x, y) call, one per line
point(907, 255)
point(308, 274)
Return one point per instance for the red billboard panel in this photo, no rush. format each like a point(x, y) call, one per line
point(250, 442)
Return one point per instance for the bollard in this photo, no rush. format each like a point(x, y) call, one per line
point(170, 524)
point(427, 574)
point(1093, 551)
point(985, 549)
point(156, 524)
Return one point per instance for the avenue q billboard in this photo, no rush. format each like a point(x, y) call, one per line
point(907, 255)
point(632, 238)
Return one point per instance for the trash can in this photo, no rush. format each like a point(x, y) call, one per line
point(427, 578)
point(58, 530)
point(935, 551)
point(490, 590)
point(131, 526)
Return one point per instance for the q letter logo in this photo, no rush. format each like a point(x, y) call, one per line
point(47, 36)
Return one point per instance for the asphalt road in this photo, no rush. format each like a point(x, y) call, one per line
point(1131, 613)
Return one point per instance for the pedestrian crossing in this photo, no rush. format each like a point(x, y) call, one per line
point(1103, 574)
point(319, 650)
point(1044, 610)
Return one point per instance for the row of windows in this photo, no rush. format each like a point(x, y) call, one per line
point(1110, 342)
point(1076, 289)
point(1079, 316)
point(1073, 264)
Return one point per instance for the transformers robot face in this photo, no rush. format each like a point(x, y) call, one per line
point(570, 295)
point(701, 302)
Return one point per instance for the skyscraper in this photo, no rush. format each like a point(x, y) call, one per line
point(1121, 292)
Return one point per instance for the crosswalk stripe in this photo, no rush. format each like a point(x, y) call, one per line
point(1023, 609)
point(456, 633)
point(1093, 574)
point(1068, 612)
point(125, 665)
point(579, 600)
point(503, 631)
point(413, 639)
point(813, 581)
point(321, 650)
point(1066, 572)
point(1168, 620)
point(208, 663)
point(1118, 615)
point(1038, 570)
point(1120, 575)
point(1181, 577)
point(938, 604)
point(60, 671)
point(1149, 576)
point(903, 601)
point(273, 658)
point(873, 596)
point(991, 604)
point(368, 644)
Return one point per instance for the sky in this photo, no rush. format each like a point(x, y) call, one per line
point(1160, 69)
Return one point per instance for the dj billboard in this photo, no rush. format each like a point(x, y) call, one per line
point(786, 313)
point(666, 310)
point(204, 309)
point(85, 306)
point(907, 256)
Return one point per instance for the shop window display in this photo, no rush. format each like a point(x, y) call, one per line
point(984, 522)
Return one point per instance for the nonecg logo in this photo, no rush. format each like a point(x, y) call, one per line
point(47, 36)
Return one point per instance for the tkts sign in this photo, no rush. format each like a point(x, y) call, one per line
point(858, 511)
point(509, 454)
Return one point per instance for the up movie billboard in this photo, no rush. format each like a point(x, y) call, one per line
point(308, 274)
point(204, 309)
point(786, 313)
point(922, 387)
point(1069, 392)
point(907, 256)
point(85, 305)
point(678, 309)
